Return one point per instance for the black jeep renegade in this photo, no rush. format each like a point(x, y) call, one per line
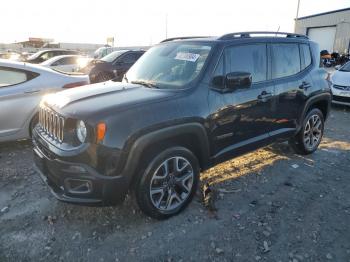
point(186, 105)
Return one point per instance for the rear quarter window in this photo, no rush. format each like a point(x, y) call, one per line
point(285, 60)
point(306, 55)
point(11, 76)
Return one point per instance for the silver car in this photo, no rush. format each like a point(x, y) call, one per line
point(22, 87)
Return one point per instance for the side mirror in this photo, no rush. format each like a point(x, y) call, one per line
point(337, 67)
point(238, 80)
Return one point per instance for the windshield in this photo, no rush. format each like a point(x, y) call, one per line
point(170, 65)
point(345, 68)
point(112, 56)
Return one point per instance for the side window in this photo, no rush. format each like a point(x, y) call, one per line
point(128, 58)
point(67, 61)
point(72, 60)
point(285, 60)
point(250, 58)
point(58, 62)
point(10, 77)
point(138, 55)
point(305, 51)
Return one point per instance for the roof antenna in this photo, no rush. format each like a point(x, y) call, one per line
point(278, 30)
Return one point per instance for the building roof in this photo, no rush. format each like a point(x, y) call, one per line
point(325, 13)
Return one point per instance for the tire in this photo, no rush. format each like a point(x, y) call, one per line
point(103, 77)
point(161, 194)
point(310, 135)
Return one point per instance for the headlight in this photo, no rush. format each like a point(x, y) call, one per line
point(81, 131)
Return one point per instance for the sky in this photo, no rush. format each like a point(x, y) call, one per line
point(143, 22)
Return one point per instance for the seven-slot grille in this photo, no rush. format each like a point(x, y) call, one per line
point(51, 124)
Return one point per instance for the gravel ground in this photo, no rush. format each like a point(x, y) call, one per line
point(272, 205)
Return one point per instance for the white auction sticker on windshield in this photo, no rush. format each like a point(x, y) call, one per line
point(187, 56)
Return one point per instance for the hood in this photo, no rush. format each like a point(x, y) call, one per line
point(106, 97)
point(96, 65)
point(341, 78)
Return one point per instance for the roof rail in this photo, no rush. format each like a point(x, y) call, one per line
point(182, 38)
point(260, 33)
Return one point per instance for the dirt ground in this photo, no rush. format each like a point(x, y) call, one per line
point(272, 205)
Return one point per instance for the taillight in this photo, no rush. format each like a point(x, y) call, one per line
point(76, 84)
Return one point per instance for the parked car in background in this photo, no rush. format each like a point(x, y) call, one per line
point(103, 51)
point(183, 107)
point(22, 86)
point(44, 55)
point(112, 66)
point(15, 56)
point(340, 80)
point(66, 63)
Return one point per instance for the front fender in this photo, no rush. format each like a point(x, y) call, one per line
point(165, 134)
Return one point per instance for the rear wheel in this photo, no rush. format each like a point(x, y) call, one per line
point(168, 183)
point(309, 137)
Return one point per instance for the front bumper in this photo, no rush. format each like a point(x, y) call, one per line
point(341, 97)
point(78, 183)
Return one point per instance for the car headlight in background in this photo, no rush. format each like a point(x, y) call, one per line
point(81, 131)
point(82, 62)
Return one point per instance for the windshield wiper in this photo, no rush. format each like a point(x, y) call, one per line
point(145, 83)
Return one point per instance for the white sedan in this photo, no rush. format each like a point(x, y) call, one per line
point(66, 63)
point(341, 85)
point(22, 86)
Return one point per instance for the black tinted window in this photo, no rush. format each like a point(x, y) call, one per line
point(305, 50)
point(285, 60)
point(247, 58)
point(129, 58)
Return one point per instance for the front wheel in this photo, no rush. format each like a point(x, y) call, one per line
point(168, 183)
point(103, 77)
point(309, 137)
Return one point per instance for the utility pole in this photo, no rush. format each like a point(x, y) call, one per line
point(166, 26)
point(296, 17)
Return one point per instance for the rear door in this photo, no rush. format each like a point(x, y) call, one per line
point(18, 99)
point(242, 118)
point(291, 64)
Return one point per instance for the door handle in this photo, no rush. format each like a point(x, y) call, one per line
point(264, 96)
point(304, 85)
point(31, 91)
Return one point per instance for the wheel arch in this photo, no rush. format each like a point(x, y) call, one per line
point(192, 136)
point(320, 101)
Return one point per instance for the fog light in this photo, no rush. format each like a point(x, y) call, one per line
point(78, 186)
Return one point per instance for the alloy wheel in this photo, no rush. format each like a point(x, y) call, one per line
point(171, 183)
point(313, 132)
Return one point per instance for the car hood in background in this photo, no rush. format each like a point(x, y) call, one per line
point(341, 78)
point(103, 97)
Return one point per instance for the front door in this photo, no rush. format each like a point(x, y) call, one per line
point(123, 64)
point(242, 119)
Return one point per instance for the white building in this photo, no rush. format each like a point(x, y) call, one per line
point(330, 29)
